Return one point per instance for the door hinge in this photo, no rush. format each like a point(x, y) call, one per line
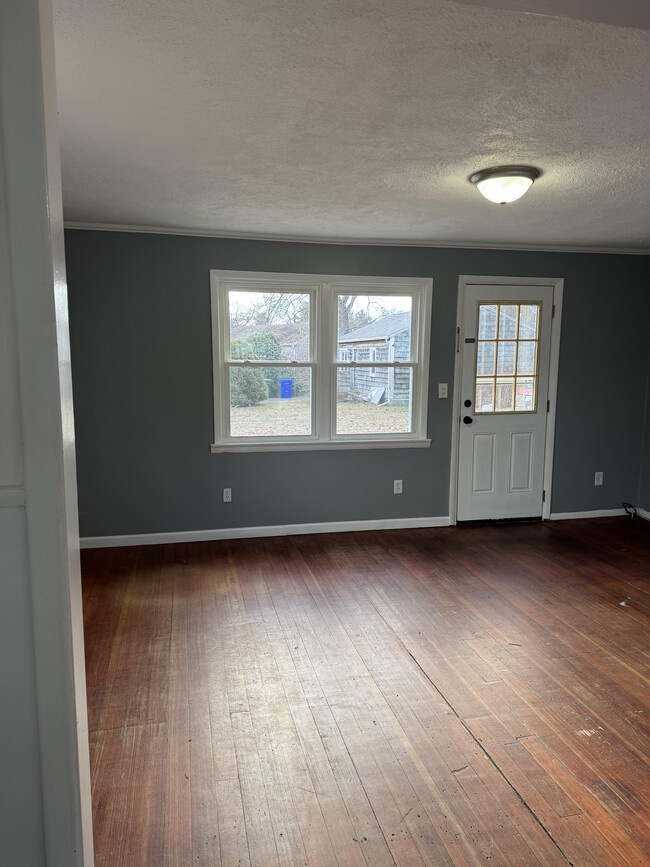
point(553, 312)
point(543, 496)
point(458, 339)
point(548, 406)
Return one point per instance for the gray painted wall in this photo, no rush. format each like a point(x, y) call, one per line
point(141, 355)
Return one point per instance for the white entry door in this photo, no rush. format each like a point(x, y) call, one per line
point(505, 346)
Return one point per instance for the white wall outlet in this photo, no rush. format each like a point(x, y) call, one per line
point(227, 495)
point(443, 389)
point(598, 478)
point(397, 486)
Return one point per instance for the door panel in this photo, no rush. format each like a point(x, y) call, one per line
point(505, 345)
point(483, 464)
point(521, 452)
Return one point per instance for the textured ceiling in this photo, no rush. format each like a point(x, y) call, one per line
point(350, 119)
point(626, 13)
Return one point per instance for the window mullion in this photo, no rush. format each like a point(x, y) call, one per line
point(262, 362)
point(220, 373)
point(368, 363)
point(323, 400)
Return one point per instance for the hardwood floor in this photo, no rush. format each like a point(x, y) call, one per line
point(417, 697)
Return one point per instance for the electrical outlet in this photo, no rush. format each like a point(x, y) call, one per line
point(598, 478)
point(443, 389)
point(227, 495)
point(397, 486)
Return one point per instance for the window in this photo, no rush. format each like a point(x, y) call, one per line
point(506, 357)
point(292, 356)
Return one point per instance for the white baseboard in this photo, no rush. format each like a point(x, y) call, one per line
point(643, 513)
point(254, 532)
point(597, 513)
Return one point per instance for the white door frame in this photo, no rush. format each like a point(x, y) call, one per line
point(46, 818)
point(558, 290)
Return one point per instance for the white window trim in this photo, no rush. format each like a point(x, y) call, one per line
point(323, 289)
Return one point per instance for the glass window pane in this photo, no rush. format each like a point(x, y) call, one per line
point(515, 356)
point(271, 326)
point(270, 401)
point(505, 395)
point(487, 321)
point(485, 352)
point(528, 320)
point(366, 321)
point(508, 321)
point(525, 394)
point(506, 356)
point(484, 396)
point(527, 356)
point(373, 403)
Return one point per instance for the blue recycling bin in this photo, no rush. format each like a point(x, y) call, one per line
point(286, 388)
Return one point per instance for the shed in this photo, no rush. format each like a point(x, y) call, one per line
point(385, 340)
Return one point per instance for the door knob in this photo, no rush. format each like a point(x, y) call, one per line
point(468, 419)
point(468, 402)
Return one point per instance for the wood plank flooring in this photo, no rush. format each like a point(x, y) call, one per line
point(454, 696)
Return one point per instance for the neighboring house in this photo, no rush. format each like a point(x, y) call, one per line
point(384, 340)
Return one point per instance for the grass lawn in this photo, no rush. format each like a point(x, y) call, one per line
point(292, 418)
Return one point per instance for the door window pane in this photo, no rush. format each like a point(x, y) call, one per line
point(525, 393)
point(270, 401)
point(485, 358)
point(508, 320)
point(507, 354)
point(505, 395)
point(528, 321)
point(527, 357)
point(484, 395)
point(487, 321)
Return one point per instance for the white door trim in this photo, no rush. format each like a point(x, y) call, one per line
point(47, 727)
point(558, 290)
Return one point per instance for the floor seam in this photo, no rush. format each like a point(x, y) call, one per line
point(487, 755)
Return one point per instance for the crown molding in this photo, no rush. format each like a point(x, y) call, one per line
point(352, 242)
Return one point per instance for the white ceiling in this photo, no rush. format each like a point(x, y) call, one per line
point(357, 119)
point(627, 13)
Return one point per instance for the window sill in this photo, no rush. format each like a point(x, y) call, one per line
point(339, 445)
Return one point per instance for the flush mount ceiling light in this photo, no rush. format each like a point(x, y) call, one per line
point(505, 184)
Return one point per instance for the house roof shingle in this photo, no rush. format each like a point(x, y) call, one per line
point(380, 329)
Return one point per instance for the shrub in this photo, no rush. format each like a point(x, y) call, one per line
point(247, 385)
point(267, 347)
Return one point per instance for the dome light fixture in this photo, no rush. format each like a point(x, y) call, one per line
point(505, 184)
